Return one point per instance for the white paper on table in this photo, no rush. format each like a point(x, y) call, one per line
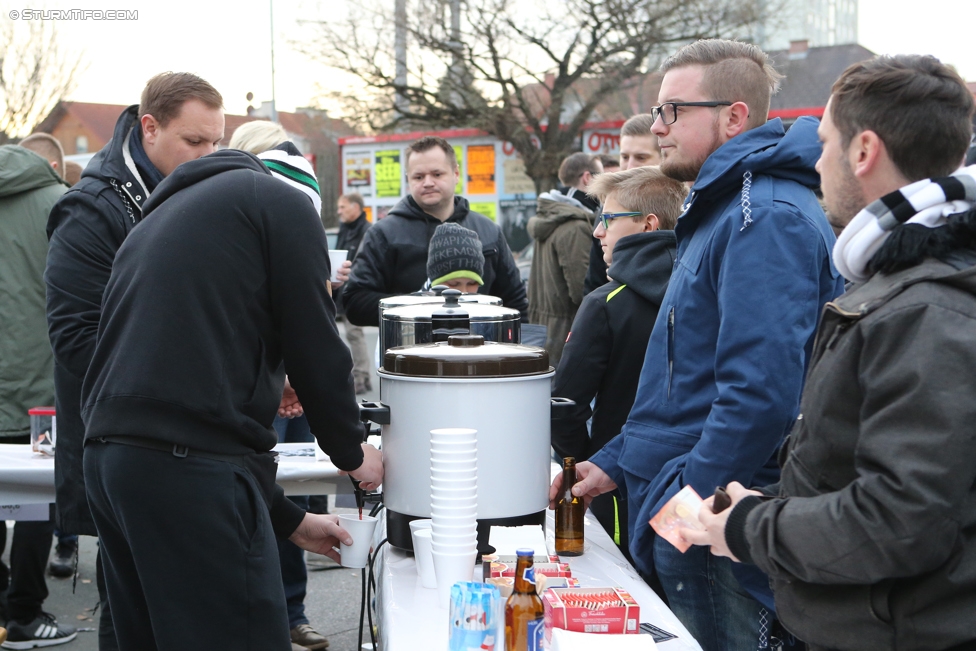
point(563, 640)
point(506, 540)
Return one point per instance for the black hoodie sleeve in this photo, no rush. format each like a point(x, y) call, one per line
point(319, 363)
point(581, 370)
point(368, 281)
point(508, 284)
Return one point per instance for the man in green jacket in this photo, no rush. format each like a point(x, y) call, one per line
point(29, 188)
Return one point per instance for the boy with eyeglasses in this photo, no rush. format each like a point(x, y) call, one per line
point(605, 349)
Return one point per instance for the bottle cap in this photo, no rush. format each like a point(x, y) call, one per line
point(525, 552)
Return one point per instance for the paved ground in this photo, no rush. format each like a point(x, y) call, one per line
point(332, 604)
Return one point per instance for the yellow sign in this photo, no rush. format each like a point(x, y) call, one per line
point(481, 169)
point(486, 208)
point(388, 173)
point(459, 153)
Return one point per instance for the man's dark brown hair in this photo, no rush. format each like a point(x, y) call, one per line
point(918, 106)
point(164, 95)
point(574, 165)
point(429, 142)
point(354, 197)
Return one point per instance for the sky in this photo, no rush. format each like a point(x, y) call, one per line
point(230, 44)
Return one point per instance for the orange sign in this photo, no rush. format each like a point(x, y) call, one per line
point(481, 169)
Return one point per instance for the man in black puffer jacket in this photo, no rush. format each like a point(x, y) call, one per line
point(179, 118)
point(869, 538)
point(222, 286)
point(392, 259)
point(605, 349)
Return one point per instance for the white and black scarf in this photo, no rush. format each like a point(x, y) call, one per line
point(927, 202)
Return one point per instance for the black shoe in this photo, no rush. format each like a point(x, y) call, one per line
point(63, 563)
point(43, 631)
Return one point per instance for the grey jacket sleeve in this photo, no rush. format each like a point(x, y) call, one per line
point(914, 460)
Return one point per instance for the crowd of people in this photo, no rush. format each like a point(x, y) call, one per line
point(710, 326)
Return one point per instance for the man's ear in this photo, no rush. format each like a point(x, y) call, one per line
point(651, 223)
point(865, 153)
point(736, 119)
point(150, 128)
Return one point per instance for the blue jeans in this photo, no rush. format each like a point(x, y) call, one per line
point(708, 599)
point(294, 575)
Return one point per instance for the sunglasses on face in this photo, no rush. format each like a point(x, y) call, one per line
point(607, 217)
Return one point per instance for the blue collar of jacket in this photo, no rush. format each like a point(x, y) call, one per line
point(109, 164)
point(150, 175)
point(764, 150)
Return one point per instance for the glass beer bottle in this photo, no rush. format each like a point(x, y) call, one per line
point(569, 514)
point(524, 614)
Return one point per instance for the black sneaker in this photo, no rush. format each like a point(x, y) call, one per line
point(43, 631)
point(63, 563)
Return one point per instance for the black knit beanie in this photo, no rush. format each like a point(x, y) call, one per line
point(455, 252)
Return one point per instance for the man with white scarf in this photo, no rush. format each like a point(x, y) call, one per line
point(870, 536)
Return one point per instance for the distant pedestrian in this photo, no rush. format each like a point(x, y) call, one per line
point(352, 229)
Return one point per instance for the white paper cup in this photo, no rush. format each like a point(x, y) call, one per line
point(452, 456)
point(423, 554)
point(445, 542)
point(449, 569)
point(417, 525)
point(470, 493)
point(451, 444)
point(449, 470)
point(355, 555)
point(453, 433)
point(336, 258)
point(461, 511)
point(452, 484)
point(460, 528)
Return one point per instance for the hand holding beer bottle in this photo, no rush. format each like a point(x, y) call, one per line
point(569, 514)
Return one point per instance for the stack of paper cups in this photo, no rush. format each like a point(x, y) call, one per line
point(453, 506)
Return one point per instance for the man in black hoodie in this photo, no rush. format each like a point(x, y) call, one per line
point(207, 300)
point(605, 349)
point(392, 259)
point(179, 118)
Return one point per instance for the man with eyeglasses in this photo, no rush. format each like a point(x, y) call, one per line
point(725, 363)
point(561, 229)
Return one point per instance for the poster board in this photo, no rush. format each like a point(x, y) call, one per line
point(481, 169)
point(388, 173)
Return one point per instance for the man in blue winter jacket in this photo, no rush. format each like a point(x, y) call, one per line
point(725, 363)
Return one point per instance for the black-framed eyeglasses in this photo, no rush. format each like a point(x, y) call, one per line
point(668, 112)
point(606, 217)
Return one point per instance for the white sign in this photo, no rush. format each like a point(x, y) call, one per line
point(23, 512)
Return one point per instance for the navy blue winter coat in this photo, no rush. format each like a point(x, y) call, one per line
point(725, 364)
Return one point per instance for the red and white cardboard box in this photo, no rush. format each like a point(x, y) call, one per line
point(617, 613)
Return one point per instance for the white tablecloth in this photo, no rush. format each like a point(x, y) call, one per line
point(409, 619)
point(27, 478)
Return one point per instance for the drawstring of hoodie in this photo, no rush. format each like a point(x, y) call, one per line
point(746, 202)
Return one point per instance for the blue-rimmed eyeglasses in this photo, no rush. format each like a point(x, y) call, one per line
point(606, 217)
point(668, 112)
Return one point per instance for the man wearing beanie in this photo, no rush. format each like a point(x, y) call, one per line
point(392, 259)
point(455, 259)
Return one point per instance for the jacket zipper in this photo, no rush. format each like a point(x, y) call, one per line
point(670, 348)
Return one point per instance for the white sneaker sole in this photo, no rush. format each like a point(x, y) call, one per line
point(35, 644)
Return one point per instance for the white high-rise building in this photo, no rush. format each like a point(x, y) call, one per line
point(819, 22)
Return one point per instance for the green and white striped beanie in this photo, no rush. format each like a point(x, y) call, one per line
point(287, 163)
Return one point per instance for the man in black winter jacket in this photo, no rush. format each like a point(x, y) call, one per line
point(392, 259)
point(869, 538)
point(179, 118)
point(352, 228)
point(209, 300)
point(605, 349)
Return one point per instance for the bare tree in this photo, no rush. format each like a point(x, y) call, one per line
point(516, 68)
point(35, 74)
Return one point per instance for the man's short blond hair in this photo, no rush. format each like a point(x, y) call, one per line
point(46, 146)
point(646, 190)
point(258, 136)
point(733, 72)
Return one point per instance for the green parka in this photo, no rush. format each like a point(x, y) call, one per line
point(29, 188)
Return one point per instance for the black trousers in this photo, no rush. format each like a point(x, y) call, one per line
point(188, 552)
point(29, 552)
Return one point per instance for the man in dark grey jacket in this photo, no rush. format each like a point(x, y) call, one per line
point(392, 259)
point(870, 536)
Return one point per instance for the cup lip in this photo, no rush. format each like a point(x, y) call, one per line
point(355, 517)
point(423, 533)
point(453, 431)
point(455, 467)
point(450, 455)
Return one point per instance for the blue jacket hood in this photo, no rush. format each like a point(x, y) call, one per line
point(764, 150)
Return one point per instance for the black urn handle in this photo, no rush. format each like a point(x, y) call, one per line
point(560, 407)
point(376, 412)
